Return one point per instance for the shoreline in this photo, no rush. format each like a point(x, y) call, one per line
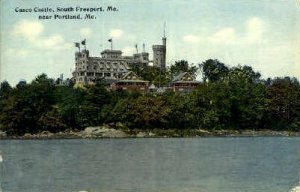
point(105, 132)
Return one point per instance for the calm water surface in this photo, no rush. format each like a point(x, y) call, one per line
point(252, 164)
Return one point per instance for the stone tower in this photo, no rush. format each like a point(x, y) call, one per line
point(81, 66)
point(159, 54)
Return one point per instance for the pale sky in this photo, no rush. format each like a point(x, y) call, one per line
point(264, 34)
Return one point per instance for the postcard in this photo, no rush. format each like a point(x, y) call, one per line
point(149, 95)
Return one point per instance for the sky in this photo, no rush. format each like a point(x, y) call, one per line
point(264, 34)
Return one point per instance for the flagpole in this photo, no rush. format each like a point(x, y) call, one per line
point(111, 43)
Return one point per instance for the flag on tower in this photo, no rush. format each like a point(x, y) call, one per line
point(110, 40)
point(77, 44)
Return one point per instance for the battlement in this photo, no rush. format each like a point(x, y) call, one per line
point(159, 47)
point(82, 54)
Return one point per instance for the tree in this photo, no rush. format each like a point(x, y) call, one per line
point(213, 70)
point(23, 108)
point(147, 112)
point(244, 73)
point(21, 84)
point(182, 114)
point(154, 75)
point(212, 105)
point(235, 99)
point(283, 103)
point(70, 104)
point(5, 89)
point(24, 105)
point(183, 66)
point(95, 99)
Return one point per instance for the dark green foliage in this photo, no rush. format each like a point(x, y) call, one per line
point(212, 103)
point(232, 98)
point(154, 75)
point(283, 103)
point(5, 89)
point(70, 106)
point(22, 109)
point(182, 110)
point(147, 112)
point(247, 97)
point(213, 70)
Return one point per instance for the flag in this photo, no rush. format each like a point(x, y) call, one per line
point(77, 44)
point(83, 42)
point(110, 40)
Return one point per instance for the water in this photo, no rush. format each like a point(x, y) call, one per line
point(252, 164)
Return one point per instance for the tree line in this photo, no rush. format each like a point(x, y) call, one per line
point(227, 98)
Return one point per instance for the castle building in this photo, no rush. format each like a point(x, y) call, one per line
point(112, 65)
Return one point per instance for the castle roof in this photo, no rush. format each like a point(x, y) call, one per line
point(184, 77)
point(111, 51)
point(130, 76)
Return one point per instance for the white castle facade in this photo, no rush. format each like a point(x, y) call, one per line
point(112, 65)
